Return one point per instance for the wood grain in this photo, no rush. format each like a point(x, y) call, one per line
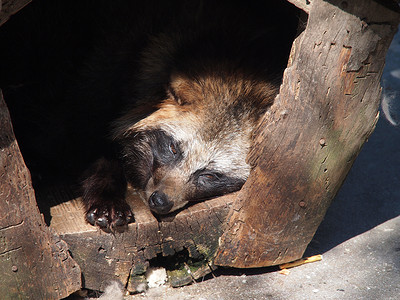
point(306, 144)
point(304, 5)
point(10, 7)
point(125, 256)
point(35, 262)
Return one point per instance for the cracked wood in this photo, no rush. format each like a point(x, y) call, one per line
point(125, 256)
point(330, 93)
point(35, 263)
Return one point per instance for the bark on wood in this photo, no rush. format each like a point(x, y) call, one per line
point(304, 148)
point(34, 262)
point(10, 7)
point(306, 144)
point(193, 234)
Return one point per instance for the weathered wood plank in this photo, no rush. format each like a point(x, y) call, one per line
point(125, 256)
point(10, 7)
point(307, 142)
point(304, 5)
point(35, 263)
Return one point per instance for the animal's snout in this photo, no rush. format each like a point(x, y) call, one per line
point(159, 202)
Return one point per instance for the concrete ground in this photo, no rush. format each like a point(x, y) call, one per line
point(359, 238)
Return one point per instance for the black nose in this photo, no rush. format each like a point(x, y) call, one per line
point(159, 203)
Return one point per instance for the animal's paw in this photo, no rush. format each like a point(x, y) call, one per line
point(110, 215)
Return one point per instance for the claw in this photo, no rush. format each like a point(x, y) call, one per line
point(102, 222)
point(129, 217)
point(110, 216)
point(91, 217)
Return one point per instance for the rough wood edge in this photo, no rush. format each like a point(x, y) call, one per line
point(304, 5)
point(35, 262)
point(10, 7)
point(125, 256)
point(255, 235)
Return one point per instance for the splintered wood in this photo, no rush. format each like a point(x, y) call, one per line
point(300, 262)
point(192, 234)
point(10, 7)
point(304, 147)
point(35, 263)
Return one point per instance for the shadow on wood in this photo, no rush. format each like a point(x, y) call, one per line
point(193, 233)
point(29, 250)
point(10, 7)
point(326, 109)
point(304, 147)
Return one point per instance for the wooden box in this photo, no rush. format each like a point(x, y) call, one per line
point(326, 109)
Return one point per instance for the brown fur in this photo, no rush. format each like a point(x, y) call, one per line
point(213, 117)
point(199, 94)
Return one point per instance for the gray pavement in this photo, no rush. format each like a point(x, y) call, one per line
point(359, 237)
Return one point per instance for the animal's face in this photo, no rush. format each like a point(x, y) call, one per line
point(193, 147)
point(172, 170)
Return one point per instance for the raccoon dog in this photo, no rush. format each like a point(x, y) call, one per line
point(199, 89)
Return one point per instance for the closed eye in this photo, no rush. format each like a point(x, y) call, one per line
point(208, 178)
point(166, 150)
point(210, 183)
point(172, 148)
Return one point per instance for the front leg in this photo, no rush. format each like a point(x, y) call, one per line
point(104, 189)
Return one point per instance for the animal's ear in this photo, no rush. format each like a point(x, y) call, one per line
point(124, 125)
point(183, 90)
point(171, 93)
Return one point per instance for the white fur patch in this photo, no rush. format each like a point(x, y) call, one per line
point(156, 277)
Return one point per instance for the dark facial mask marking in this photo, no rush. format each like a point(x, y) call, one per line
point(145, 151)
point(210, 183)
